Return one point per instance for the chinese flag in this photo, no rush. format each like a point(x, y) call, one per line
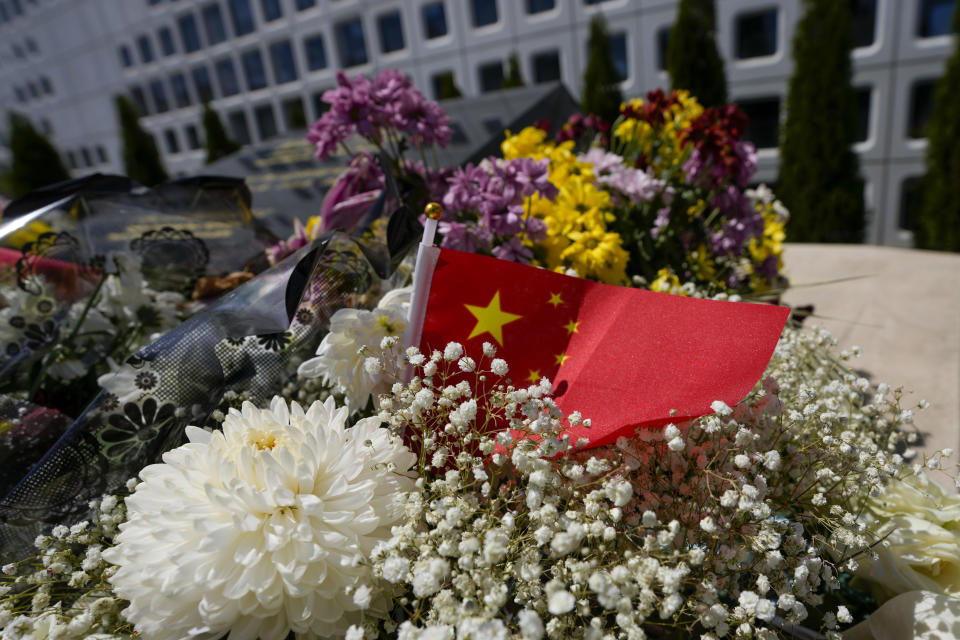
point(625, 358)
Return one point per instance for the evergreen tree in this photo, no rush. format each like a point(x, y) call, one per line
point(35, 161)
point(514, 78)
point(140, 156)
point(601, 81)
point(938, 225)
point(819, 172)
point(447, 88)
point(218, 143)
point(693, 61)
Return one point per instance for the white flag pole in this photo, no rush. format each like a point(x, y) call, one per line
point(421, 277)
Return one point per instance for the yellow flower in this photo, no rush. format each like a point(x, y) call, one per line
point(527, 143)
point(666, 282)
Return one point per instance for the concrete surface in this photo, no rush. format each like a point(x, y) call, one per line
point(903, 308)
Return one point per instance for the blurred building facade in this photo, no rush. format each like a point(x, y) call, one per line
point(264, 65)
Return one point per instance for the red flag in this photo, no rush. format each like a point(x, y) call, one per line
point(623, 357)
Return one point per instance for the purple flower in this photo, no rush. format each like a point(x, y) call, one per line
point(352, 195)
point(661, 222)
point(514, 251)
point(371, 109)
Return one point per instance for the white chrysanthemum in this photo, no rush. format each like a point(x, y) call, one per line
point(261, 528)
point(339, 360)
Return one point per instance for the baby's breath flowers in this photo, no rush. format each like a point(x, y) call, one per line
point(262, 528)
point(736, 524)
point(62, 591)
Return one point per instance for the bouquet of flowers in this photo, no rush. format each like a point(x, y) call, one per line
point(380, 489)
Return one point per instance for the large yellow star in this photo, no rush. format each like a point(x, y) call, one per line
point(534, 376)
point(572, 327)
point(560, 358)
point(555, 300)
point(490, 319)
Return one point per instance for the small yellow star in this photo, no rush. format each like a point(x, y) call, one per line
point(534, 376)
point(560, 358)
point(490, 319)
point(555, 300)
point(572, 327)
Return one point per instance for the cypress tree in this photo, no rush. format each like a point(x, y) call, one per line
point(601, 82)
point(938, 224)
point(693, 61)
point(819, 172)
point(35, 162)
point(140, 156)
point(447, 88)
point(218, 143)
point(514, 78)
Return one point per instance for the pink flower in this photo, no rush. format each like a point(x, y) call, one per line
point(353, 194)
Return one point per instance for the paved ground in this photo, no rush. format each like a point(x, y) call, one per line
point(903, 309)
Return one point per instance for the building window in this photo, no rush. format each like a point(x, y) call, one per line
point(146, 49)
point(484, 12)
point(316, 52)
point(304, 4)
point(284, 67)
point(17, 8)
point(442, 83)
point(202, 84)
point(189, 33)
point(87, 158)
point(213, 24)
point(140, 100)
point(921, 103)
point(21, 96)
point(102, 155)
point(193, 138)
point(126, 60)
point(763, 121)
point(241, 14)
point(159, 94)
point(756, 34)
point(254, 70)
point(71, 159)
point(663, 43)
point(294, 117)
point(934, 19)
point(351, 44)
point(271, 10)
point(167, 47)
point(539, 6)
point(546, 66)
point(266, 121)
point(173, 145)
point(861, 129)
point(491, 76)
point(239, 127)
point(589, 2)
point(46, 86)
point(181, 95)
point(227, 77)
point(618, 51)
point(45, 127)
point(434, 20)
point(4, 16)
point(391, 32)
point(31, 45)
point(864, 22)
point(910, 202)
